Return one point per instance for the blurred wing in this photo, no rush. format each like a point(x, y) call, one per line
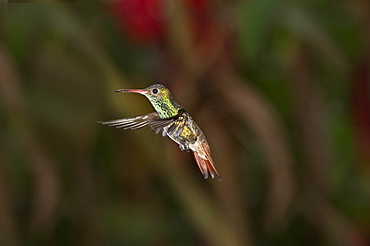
point(173, 125)
point(159, 125)
point(132, 123)
point(177, 126)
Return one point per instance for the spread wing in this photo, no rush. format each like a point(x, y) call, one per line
point(132, 123)
point(173, 126)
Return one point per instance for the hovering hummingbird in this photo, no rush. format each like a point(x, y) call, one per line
point(171, 120)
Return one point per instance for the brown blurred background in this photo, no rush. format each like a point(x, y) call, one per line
point(280, 88)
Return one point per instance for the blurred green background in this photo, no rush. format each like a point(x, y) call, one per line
point(280, 88)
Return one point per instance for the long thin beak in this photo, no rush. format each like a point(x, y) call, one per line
point(132, 91)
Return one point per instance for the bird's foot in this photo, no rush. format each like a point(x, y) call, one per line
point(184, 148)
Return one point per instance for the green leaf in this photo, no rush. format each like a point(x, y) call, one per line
point(256, 20)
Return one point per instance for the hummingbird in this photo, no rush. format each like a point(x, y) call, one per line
point(171, 120)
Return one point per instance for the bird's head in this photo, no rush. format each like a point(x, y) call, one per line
point(155, 92)
point(159, 96)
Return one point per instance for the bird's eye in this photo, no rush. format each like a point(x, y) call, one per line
point(155, 91)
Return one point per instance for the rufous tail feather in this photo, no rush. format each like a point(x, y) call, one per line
point(206, 164)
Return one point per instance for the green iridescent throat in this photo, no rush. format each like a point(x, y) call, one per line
point(165, 107)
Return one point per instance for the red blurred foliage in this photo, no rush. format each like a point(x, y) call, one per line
point(144, 21)
point(199, 13)
point(361, 111)
point(140, 20)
